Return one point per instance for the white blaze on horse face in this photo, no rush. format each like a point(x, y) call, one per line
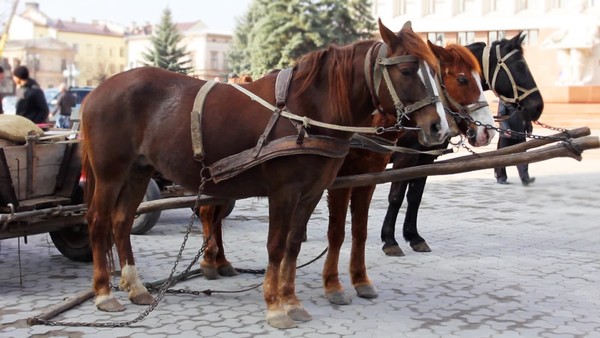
point(444, 127)
point(483, 115)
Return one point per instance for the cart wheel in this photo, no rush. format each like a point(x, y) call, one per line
point(144, 222)
point(73, 243)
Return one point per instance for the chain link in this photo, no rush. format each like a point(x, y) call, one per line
point(162, 290)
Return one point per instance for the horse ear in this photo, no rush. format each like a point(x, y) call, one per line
point(440, 52)
point(517, 40)
point(407, 26)
point(387, 35)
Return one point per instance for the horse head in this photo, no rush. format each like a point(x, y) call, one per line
point(507, 74)
point(463, 93)
point(402, 81)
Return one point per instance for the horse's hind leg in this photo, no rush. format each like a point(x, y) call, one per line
point(129, 199)
point(214, 263)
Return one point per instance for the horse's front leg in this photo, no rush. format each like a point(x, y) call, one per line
point(388, 229)
point(359, 206)
point(337, 201)
point(409, 230)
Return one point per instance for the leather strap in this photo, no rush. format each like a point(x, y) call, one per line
point(196, 120)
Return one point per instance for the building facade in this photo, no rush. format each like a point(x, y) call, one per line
point(562, 45)
point(98, 49)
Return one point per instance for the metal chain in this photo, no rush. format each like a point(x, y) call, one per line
point(162, 291)
point(543, 125)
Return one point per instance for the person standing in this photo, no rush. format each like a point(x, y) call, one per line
point(31, 102)
point(64, 104)
point(514, 129)
point(1, 79)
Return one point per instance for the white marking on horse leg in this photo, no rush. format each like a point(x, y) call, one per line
point(103, 298)
point(131, 282)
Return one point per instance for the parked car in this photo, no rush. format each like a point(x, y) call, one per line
point(79, 92)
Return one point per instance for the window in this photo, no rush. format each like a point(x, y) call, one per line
point(437, 38)
point(214, 60)
point(496, 35)
point(521, 5)
point(63, 64)
point(225, 63)
point(121, 52)
point(436, 6)
point(465, 38)
point(558, 4)
point(467, 6)
point(76, 47)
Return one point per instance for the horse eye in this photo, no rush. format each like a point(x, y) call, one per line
point(462, 80)
point(406, 72)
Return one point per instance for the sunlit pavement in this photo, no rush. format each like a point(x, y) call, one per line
point(507, 261)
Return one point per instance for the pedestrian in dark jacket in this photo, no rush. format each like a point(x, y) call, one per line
point(515, 128)
point(64, 104)
point(31, 102)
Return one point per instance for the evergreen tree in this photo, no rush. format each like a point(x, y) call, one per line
point(275, 33)
point(164, 52)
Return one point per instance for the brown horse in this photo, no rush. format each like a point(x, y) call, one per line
point(462, 91)
point(461, 81)
point(139, 122)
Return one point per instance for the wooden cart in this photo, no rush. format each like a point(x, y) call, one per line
point(40, 192)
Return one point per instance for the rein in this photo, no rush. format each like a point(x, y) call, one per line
point(501, 64)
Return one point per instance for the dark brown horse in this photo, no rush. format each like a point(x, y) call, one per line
point(505, 72)
point(139, 122)
point(460, 78)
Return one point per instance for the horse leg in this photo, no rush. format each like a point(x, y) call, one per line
point(287, 285)
point(337, 201)
point(388, 229)
point(214, 263)
point(413, 197)
point(359, 206)
point(281, 209)
point(99, 225)
point(130, 197)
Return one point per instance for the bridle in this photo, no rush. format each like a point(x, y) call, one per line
point(378, 71)
point(501, 64)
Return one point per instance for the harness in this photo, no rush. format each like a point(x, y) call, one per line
point(303, 143)
point(516, 99)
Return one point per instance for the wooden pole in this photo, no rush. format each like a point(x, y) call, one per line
point(557, 150)
point(61, 307)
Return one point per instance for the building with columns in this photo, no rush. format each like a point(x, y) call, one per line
point(562, 45)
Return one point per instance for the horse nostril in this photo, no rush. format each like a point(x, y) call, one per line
point(436, 128)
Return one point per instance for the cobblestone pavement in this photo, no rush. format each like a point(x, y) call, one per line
point(507, 261)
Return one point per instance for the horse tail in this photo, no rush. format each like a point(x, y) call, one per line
point(88, 192)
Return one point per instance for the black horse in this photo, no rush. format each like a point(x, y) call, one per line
point(506, 73)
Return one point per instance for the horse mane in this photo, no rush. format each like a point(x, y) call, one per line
point(513, 45)
point(460, 54)
point(340, 61)
point(414, 45)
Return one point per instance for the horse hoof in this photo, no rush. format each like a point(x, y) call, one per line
point(393, 251)
point(338, 298)
point(281, 320)
point(299, 315)
point(366, 291)
point(421, 247)
point(142, 299)
point(110, 305)
point(228, 271)
point(209, 273)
